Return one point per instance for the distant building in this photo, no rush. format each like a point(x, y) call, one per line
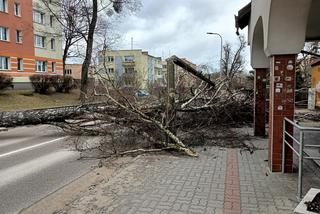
point(315, 79)
point(128, 64)
point(73, 70)
point(30, 40)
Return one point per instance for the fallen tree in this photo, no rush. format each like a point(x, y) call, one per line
point(43, 116)
point(161, 123)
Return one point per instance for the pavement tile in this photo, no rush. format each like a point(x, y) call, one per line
point(233, 182)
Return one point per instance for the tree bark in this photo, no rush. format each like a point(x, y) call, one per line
point(65, 55)
point(87, 60)
point(44, 116)
point(171, 90)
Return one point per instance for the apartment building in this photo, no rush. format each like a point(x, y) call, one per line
point(30, 40)
point(146, 68)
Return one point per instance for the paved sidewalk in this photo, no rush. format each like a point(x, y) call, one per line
point(219, 181)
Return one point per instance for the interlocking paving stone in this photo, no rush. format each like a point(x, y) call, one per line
point(208, 184)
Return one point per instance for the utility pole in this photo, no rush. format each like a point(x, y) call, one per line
point(131, 43)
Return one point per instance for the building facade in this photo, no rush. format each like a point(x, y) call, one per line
point(145, 68)
point(30, 40)
point(315, 80)
point(73, 70)
point(270, 23)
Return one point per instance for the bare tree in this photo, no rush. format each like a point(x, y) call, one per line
point(304, 64)
point(92, 17)
point(92, 13)
point(79, 19)
point(69, 17)
point(233, 61)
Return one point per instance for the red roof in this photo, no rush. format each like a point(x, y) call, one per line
point(315, 62)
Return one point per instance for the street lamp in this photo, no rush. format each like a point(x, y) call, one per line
point(210, 33)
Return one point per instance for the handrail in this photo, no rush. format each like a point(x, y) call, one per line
point(300, 153)
point(292, 137)
point(305, 128)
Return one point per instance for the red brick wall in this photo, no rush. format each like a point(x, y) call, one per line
point(23, 23)
point(282, 85)
point(24, 50)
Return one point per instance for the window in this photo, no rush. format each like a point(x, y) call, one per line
point(110, 70)
point(4, 63)
point(38, 17)
point(20, 64)
point(51, 20)
point(41, 66)
point(52, 44)
point(129, 70)
point(17, 9)
point(68, 72)
point(129, 58)
point(39, 41)
point(4, 34)
point(158, 71)
point(110, 59)
point(53, 66)
point(19, 36)
point(4, 5)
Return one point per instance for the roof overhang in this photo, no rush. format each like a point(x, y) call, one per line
point(243, 17)
point(315, 62)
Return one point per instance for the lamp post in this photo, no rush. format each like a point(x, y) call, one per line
point(210, 33)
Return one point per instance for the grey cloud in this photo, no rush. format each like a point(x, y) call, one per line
point(180, 26)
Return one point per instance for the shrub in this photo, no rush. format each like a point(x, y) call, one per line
point(57, 83)
point(5, 81)
point(68, 84)
point(63, 84)
point(41, 83)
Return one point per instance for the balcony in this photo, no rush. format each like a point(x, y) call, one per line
point(128, 63)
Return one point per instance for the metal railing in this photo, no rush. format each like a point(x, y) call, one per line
point(301, 145)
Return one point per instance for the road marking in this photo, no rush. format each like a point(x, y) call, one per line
point(232, 201)
point(19, 140)
point(31, 147)
point(19, 171)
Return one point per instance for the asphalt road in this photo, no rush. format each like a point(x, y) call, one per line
point(34, 162)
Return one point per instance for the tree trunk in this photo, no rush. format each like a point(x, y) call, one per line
point(64, 57)
point(87, 60)
point(170, 108)
point(44, 116)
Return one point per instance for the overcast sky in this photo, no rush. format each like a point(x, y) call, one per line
point(179, 27)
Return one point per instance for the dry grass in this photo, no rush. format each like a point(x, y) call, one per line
point(26, 99)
